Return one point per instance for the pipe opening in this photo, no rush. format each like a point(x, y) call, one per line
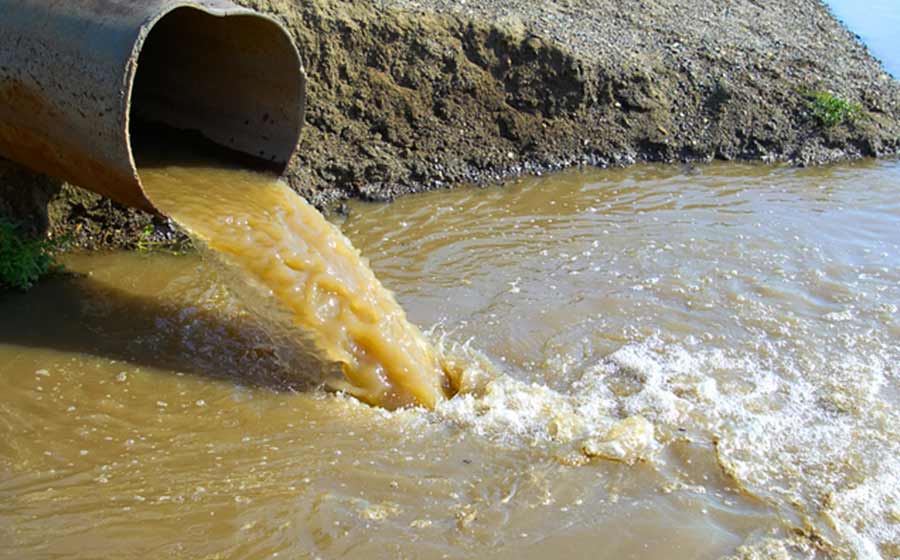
point(235, 82)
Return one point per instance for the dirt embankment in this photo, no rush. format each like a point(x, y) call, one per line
point(409, 95)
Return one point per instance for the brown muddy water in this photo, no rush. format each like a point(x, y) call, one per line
point(686, 363)
point(305, 280)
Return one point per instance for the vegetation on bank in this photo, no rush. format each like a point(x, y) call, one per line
point(151, 240)
point(24, 260)
point(830, 110)
point(145, 242)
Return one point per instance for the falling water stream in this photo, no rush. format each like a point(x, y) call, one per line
point(304, 278)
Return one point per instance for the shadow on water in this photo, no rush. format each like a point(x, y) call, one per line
point(170, 332)
point(78, 314)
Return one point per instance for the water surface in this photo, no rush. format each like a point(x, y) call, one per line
point(749, 314)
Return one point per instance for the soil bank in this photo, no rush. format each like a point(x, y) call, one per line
point(413, 95)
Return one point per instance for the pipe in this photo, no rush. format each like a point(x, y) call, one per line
point(76, 74)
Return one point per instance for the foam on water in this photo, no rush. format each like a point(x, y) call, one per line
point(827, 459)
point(575, 426)
point(572, 427)
point(821, 444)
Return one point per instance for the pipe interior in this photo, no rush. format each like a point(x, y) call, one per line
point(233, 81)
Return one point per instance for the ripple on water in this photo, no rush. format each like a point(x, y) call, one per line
point(727, 337)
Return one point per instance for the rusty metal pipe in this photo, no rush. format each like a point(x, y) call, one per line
point(75, 73)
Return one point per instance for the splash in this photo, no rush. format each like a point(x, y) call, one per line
point(322, 305)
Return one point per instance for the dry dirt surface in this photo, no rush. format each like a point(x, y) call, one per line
point(411, 95)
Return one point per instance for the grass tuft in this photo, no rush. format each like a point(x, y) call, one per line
point(830, 110)
point(24, 261)
point(145, 243)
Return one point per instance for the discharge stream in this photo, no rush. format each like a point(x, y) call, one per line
point(315, 290)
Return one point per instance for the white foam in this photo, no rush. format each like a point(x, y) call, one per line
point(818, 444)
point(508, 411)
point(779, 431)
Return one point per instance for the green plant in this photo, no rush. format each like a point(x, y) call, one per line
point(24, 261)
point(830, 110)
point(145, 243)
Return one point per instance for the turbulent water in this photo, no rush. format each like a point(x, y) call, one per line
point(726, 334)
point(304, 276)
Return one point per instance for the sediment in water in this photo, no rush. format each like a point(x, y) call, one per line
point(762, 354)
point(312, 289)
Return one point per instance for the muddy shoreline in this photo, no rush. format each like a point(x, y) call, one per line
point(414, 95)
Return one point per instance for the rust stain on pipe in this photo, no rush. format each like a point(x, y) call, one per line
point(75, 74)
